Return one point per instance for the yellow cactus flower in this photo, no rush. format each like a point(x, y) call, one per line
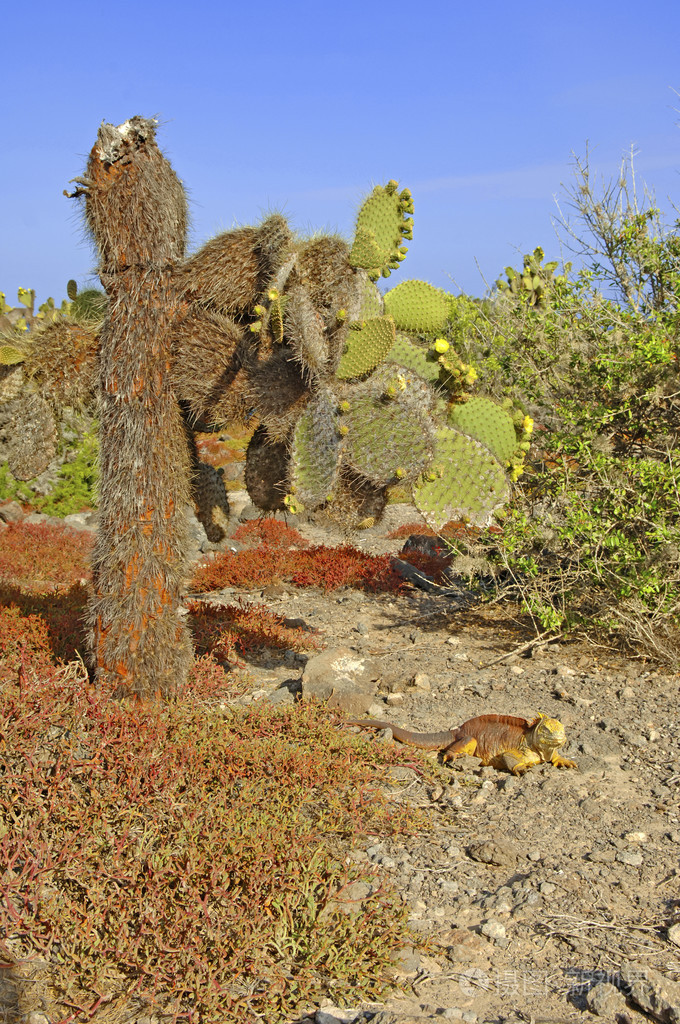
point(441, 346)
point(527, 424)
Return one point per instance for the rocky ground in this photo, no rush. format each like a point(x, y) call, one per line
point(549, 897)
point(541, 894)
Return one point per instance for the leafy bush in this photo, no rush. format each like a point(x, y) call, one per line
point(592, 539)
point(74, 490)
point(76, 487)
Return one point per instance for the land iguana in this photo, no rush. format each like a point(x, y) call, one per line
point(502, 741)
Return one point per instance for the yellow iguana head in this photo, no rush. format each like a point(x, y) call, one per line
point(548, 733)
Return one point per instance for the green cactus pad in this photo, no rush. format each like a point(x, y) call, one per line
point(463, 481)
point(486, 422)
point(370, 298)
point(418, 307)
point(381, 227)
point(315, 452)
point(414, 357)
point(10, 356)
point(387, 438)
point(368, 343)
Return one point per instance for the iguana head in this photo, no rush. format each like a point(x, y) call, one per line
point(548, 733)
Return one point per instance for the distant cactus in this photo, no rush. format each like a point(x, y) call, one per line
point(535, 281)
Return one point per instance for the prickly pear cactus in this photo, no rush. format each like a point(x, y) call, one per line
point(535, 281)
point(464, 481)
point(315, 452)
point(325, 335)
point(136, 210)
point(382, 225)
point(368, 344)
point(487, 422)
point(418, 307)
point(257, 323)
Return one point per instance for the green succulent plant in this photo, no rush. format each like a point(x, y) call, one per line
point(535, 280)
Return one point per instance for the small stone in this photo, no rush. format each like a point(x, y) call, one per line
point(547, 888)
point(500, 854)
point(11, 512)
point(393, 699)
point(421, 681)
point(493, 929)
point(337, 1015)
point(627, 693)
point(674, 934)
point(605, 1000)
point(652, 735)
point(633, 858)
point(516, 670)
point(635, 837)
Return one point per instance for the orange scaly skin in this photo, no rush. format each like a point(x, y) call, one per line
point(507, 743)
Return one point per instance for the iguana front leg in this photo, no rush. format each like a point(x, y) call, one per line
point(562, 762)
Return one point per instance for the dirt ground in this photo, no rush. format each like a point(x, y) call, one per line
point(534, 889)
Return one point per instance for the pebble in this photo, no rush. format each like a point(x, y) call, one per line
point(633, 858)
point(336, 1015)
point(674, 934)
point(635, 837)
point(493, 929)
point(421, 681)
point(605, 1000)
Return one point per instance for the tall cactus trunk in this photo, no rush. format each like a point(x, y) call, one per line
point(135, 207)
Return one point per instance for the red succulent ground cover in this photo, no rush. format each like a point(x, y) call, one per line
point(271, 532)
point(320, 566)
point(243, 628)
point(173, 859)
point(41, 557)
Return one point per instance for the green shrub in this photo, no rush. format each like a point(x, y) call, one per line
point(591, 541)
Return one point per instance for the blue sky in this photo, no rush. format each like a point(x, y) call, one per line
point(303, 106)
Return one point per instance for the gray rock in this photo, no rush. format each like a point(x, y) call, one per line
point(493, 929)
point(633, 858)
point(11, 512)
point(500, 854)
point(605, 1000)
point(344, 678)
point(653, 992)
point(338, 1015)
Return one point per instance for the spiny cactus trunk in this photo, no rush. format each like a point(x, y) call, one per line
point(136, 209)
point(140, 641)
